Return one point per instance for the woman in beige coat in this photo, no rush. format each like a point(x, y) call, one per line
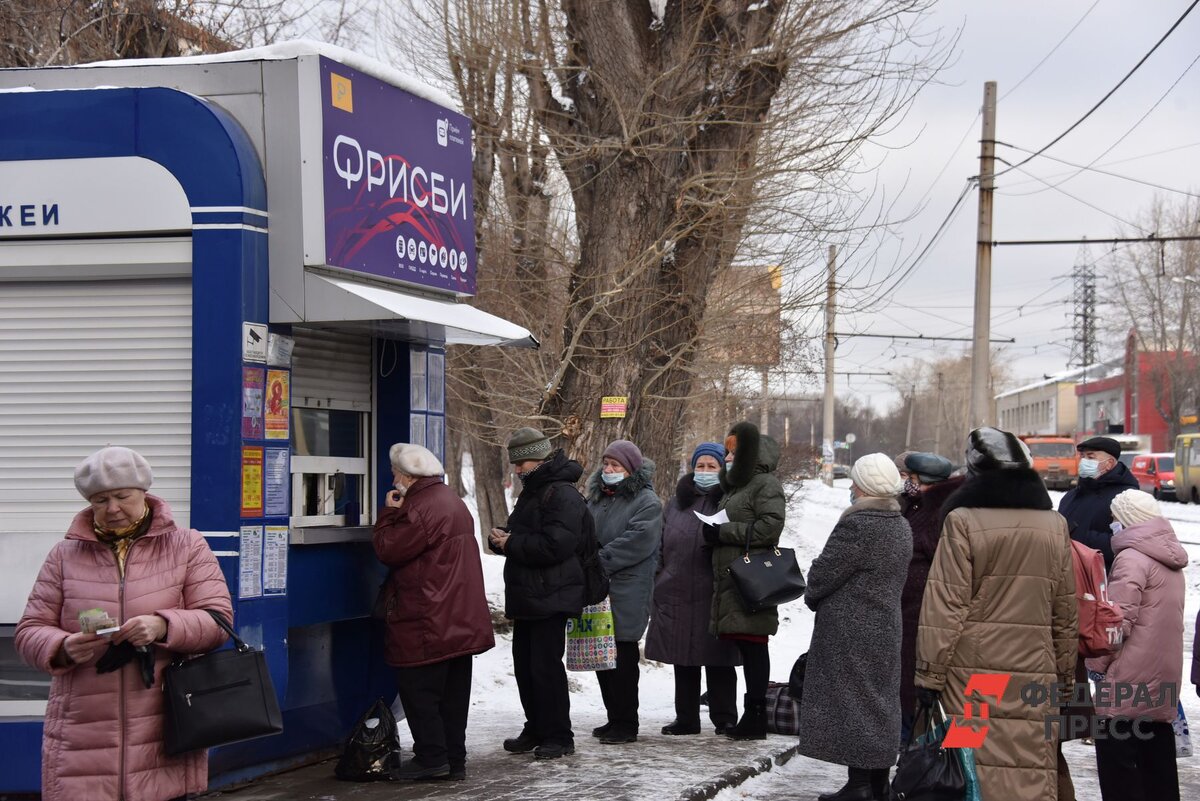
point(1001, 600)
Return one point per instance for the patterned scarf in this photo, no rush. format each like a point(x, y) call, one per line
point(120, 540)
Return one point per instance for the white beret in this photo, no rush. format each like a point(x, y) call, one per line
point(414, 460)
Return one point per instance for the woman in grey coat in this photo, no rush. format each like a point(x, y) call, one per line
point(683, 589)
point(849, 715)
point(628, 519)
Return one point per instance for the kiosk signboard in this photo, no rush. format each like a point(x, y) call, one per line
point(396, 174)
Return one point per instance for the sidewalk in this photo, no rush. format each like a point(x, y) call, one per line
point(656, 766)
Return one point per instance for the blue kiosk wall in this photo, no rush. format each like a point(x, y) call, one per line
point(325, 656)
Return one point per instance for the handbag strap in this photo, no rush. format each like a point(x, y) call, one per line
point(238, 642)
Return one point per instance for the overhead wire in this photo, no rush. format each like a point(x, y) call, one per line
point(1083, 167)
point(1053, 50)
point(1107, 95)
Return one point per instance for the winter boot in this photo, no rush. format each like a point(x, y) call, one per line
point(858, 788)
point(682, 727)
point(753, 725)
point(881, 783)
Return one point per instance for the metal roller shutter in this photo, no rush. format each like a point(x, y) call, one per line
point(331, 370)
point(84, 364)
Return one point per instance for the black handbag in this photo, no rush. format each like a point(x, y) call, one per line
point(219, 698)
point(926, 771)
point(767, 579)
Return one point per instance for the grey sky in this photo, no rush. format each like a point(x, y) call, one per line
point(1003, 41)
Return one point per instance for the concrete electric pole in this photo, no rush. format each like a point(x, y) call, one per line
point(981, 402)
point(827, 426)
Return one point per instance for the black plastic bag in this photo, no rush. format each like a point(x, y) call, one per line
point(796, 679)
point(372, 753)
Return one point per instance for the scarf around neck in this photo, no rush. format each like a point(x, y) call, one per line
point(120, 540)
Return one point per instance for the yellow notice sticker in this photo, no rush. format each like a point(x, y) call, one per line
point(342, 94)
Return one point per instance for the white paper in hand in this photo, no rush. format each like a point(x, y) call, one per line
point(714, 520)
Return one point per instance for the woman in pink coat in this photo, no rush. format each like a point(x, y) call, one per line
point(1135, 752)
point(125, 556)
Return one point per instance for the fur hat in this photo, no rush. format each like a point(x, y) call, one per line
point(414, 460)
point(876, 475)
point(113, 468)
point(1134, 506)
point(992, 449)
point(626, 453)
point(929, 468)
point(527, 444)
point(713, 449)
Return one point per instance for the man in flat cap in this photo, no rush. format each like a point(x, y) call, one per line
point(1087, 507)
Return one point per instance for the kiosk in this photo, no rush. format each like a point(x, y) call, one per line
point(246, 267)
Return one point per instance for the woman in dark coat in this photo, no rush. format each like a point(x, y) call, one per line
point(679, 621)
point(849, 715)
point(628, 519)
point(755, 505)
point(437, 614)
point(927, 488)
point(543, 587)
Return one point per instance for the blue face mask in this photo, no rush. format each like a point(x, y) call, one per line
point(612, 479)
point(706, 481)
point(1089, 468)
point(853, 498)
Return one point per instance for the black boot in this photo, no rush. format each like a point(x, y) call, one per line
point(881, 783)
point(753, 725)
point(858, 788)
point(680, 727)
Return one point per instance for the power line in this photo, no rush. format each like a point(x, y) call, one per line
point(921, 337)
point(1089, 168)
point(1090, 241)
point(1053, 50)
point(1109, 94)
point(1058, 188)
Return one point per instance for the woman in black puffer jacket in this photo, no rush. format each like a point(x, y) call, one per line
point(543, 587)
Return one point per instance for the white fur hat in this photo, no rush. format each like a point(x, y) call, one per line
point(113, 468)
point(1134, 506)
point(876, 475)
point(414, 460)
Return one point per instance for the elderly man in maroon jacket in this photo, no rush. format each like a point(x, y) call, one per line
point(436, 614)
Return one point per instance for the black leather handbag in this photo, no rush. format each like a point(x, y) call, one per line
point(926, 771)
point(767, 579)
point(219, 698)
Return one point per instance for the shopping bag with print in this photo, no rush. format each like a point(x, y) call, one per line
point(591, 639)
point(1183, 738)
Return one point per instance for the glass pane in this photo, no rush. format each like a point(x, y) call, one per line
point(417, 395)
point(435, 428)
point(416, 429)
point(327, 432)
point(18, 681)
point(437, 382)
point(1166, 464)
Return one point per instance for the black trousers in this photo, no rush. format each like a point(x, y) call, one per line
point(756, 666)
point(619, 689)
point(722, 694)
point(436, 699)
point(538, 648)
point(1137, 763)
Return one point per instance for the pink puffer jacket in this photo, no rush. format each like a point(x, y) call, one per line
point(1147, 583)
point(103, 733)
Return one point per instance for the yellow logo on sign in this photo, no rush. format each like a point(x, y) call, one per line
point(343, 97)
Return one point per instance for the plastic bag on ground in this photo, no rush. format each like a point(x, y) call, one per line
point(372, 752)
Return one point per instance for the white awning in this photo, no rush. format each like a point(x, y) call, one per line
point(344, 303)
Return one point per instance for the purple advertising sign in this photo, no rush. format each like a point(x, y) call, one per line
point(397, 175)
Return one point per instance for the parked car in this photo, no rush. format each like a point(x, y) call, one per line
point(1155, 473)
point(841, 471)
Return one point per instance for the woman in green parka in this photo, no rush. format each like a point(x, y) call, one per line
point(755, 505)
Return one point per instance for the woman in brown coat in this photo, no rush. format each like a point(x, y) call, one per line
point(1001, 600)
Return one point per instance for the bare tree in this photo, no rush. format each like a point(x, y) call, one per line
point(1156, 292)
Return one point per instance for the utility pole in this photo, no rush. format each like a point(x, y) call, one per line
point(827, 426)
point(981, 403)
point(937, 430)
point(912, 402)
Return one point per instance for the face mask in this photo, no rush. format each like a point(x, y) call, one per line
point(706, 480)
point(853, 498)
point(1116, 527)
point(1089, 468)
point(911, 488)
point(612, 479)
point(522, 476)
point(400, 488)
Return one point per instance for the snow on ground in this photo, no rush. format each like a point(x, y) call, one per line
point(812, 513)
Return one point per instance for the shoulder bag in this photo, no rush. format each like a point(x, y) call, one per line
point(767, 579)
point(222, 697)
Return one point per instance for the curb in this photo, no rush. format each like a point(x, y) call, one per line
point(733, 777)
